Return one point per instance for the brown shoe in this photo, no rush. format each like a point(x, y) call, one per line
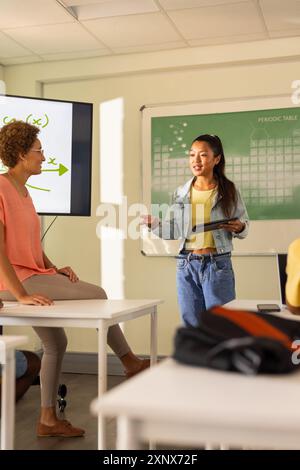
point(145, 363)
point(60, 429)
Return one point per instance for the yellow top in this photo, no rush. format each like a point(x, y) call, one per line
point(293, 273)
point(201, 208)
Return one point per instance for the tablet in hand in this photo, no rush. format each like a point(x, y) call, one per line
point(212, 225)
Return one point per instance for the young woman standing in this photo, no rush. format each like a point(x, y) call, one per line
point(204, 271)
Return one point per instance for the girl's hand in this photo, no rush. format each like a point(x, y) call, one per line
point(67, 271)
point(149, 220)
point(35, 299)
point(235, 226)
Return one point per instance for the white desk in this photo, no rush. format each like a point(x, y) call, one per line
point(8, 344)
point(100, 314)
point(252, 305)
point(184, 405)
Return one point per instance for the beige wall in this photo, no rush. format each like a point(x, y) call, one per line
point(242, 70)
point(2, 79)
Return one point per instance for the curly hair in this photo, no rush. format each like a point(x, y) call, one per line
point(15, 138)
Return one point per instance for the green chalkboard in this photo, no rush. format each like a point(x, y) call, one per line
point(262, 153)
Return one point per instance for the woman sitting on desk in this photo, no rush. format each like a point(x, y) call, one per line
point(27, 275)
point(204, 272)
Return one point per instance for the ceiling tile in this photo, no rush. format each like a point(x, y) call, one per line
point(281, 15)
point(228, 39)
point(209, 22)
point(284, 34)
point(75, 55)
point(181, 4)
point(72, 3)
point(49, 39)
point(20, 13)
point(116, 8)
point(133, 30)
point(19, 60)
point(150, 48)
point(9, 48)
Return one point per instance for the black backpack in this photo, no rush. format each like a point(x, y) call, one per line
point(241, 341)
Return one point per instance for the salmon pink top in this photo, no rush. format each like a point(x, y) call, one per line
point(22, 233)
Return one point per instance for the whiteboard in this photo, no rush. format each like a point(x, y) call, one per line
point(272, 138)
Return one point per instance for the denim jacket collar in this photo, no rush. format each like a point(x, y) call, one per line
point(183, 193)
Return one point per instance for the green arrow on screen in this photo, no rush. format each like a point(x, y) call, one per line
point(35, 187)
point(61, 170)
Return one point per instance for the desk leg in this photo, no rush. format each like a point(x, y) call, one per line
point(102, 378)
point(8, 401)
point(153, 339)
point(216, 447)
point(153, 352)
point(224, 447)
point(208, 446)
point(127, 434)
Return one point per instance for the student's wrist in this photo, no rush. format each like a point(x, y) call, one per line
point(154, 223)
point(22, 293)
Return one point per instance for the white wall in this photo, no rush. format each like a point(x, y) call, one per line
point(218, 72)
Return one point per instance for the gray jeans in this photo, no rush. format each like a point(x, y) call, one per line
point(54, 340)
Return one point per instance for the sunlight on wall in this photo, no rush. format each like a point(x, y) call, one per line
point(111, 192)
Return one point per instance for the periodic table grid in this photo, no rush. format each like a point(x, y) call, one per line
point(168, 171)
point(266, 176)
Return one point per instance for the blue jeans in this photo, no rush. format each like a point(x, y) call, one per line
point(21, 364)
point(203, 281)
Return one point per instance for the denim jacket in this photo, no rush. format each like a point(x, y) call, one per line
point(179, 226)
